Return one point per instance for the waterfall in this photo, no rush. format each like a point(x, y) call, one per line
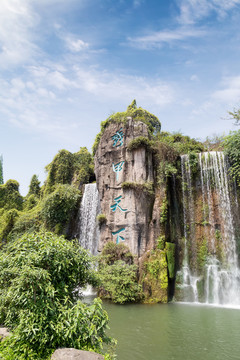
point(88, 227)
point(209, 271)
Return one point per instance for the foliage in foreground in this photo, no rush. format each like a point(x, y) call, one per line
point(39, 274)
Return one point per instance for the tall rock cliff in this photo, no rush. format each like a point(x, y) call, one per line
point(125, 175)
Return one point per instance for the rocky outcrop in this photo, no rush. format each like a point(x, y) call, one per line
point(125, 184)
point(4, 332)
point(74, 354)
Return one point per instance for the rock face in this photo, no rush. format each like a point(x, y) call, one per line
point(4, 333)
point(125, 180)
point(74, 354)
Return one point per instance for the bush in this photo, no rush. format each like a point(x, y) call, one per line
point(113, 252)
point(137, 114)
point(67, 168)
point(140, 141)
point(39, 275)
point(119, 282)
point(101, 219)
point(34, 187)
point(10, 197)
point(7, 223)
point(146, 188)
point(118, 275)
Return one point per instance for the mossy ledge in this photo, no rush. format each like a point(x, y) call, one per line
point(146, 187)
point(141, 141)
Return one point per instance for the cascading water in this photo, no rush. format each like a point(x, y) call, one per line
point(209, 272)
point(88, 227)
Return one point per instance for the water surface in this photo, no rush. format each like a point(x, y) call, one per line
point(175, 332)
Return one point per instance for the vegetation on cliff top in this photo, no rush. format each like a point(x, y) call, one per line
point(137, 114)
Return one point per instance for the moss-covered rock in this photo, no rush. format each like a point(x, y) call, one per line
point(155, 277)
point(170, 252)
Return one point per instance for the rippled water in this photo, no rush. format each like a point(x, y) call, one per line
point(175, 332)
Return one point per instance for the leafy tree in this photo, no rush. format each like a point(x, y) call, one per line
point(67, 168)
point(60, 170)
point(118, 275)
point(58, 207)
point(39, 277)
point(119, 282)
point(10, 197)
point(83, 167)
point(34, 187)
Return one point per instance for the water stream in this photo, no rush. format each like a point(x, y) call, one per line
point(88, 227)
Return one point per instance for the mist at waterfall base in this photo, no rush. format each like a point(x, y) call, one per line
point(218, 281)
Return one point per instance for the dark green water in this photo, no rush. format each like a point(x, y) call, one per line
point(175, 332)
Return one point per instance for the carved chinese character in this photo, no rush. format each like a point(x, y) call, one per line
point(118, 138)
point(116, 206)
point(119, 237)
point(117, 168)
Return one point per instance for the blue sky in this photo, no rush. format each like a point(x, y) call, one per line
point(67, 65)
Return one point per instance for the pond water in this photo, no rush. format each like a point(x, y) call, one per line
point(175, 332)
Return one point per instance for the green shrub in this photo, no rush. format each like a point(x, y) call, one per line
point(10, 197)
point(137, 114)
point(101, 219)
point(113, 252)
point(147, 187)
point(58, 207)
point(119, 282)
point(30, 202)
point(140, 141)
point(67, 168)
point(34, 187)
point(28, 221)
point(170, 252)
point(8, 220)
point(39, 277)
point(83, 167)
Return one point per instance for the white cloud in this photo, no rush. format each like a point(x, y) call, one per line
point(230, 90)
point(158, 38)
point(137, 3)
point(76, 45)
point(124, 87)
point(17, 21)
point(192, 11)
point(34, 100)
point(194, 77)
